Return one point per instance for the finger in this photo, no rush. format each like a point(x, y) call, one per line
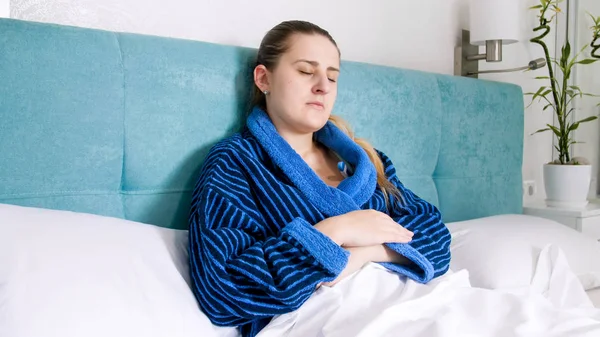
point(403, 239)
point(398, 237)
point(403, 230)
point(396, 229)
point(389, 224)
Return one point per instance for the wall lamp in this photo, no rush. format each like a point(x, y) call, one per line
point(493, 24)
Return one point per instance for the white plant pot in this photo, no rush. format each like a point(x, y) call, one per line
point(567, 186)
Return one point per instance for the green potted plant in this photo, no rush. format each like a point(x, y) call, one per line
point(566, 179)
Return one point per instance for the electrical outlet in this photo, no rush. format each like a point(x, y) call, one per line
point(593, 189)
point(529, 188)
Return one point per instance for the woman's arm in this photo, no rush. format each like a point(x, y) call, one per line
point(239, 277)
point(429, 249)
point(359, 256)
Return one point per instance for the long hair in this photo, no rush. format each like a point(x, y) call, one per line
point(275, 44)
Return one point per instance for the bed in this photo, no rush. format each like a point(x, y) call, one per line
point(102, 136)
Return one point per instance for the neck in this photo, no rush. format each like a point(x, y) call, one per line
point(303, 144)
point(358, 188)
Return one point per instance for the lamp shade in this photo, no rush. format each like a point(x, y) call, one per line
point(495, 20)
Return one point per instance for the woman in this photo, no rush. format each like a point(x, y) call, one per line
point(294, 202)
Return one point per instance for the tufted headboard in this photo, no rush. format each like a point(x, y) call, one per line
point(118, 124)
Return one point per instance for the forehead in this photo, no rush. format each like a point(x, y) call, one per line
point(314, 48)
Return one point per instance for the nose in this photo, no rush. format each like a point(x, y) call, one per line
point(322, 85)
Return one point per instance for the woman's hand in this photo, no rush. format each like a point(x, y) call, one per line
point(359, 256)
point(363, 228)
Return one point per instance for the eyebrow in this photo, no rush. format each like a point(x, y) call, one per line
point(315, 63)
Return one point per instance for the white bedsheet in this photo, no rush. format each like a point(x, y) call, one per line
point(594, 295)
point(374, 302)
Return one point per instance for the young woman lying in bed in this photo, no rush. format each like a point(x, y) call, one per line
point(294, 201)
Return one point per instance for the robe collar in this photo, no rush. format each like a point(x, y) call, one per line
point(350, 194)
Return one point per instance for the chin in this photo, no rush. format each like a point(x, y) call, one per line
point(315, 120)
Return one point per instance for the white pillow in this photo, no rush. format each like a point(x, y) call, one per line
point(69, 274)
point(501, 251)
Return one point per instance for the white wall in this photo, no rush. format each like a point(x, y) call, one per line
point(4, 8)
point(588, 78)
point(404, 33)
point(537, 148)
point(383, 31)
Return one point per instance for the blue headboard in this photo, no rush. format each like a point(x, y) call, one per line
point(118, 124)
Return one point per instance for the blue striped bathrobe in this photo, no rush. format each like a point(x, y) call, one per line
point(254, 252)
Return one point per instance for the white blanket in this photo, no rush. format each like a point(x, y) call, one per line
point(374, 302)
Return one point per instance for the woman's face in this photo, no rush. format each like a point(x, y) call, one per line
point(303, 85)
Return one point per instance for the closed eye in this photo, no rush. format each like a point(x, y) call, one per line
point(309, 73)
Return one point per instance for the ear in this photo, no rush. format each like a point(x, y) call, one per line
point(261, 77)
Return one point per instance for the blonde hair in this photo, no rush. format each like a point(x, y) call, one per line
point(386, 186)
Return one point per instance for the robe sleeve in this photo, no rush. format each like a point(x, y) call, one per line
point(429, 250)
point(241, 271)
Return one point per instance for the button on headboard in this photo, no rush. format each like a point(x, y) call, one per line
point(118, 124)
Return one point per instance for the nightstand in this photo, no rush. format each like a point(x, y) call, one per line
point(585, 220)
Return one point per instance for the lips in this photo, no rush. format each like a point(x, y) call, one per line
point(317, 105)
